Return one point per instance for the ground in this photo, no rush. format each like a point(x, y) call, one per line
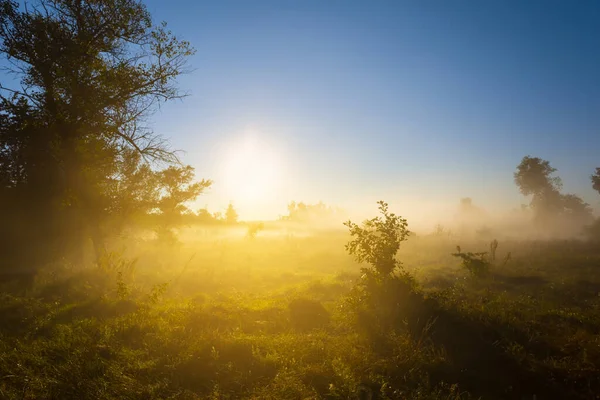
point(223, 316)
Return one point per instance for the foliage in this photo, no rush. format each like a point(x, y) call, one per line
point(313, 213)
point(74, 334)
point(596, 180)
point(176, 187)
point(381, 299)
point(72, 135)
point(231, 215)
point(377, 240)
point(534, 177)
point(254, 228)
point(476, 263)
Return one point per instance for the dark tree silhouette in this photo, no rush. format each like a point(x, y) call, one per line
point(176, 187)
point(90, 74)
point(231, 215)
point(596, 180)
point(534, 177)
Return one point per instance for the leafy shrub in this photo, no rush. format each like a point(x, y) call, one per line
point(377, 241)
point(254, 228)
point(379, 304)
point(384, 293)
point(476, 263)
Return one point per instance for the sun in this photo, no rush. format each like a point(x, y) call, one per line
point(251, 171)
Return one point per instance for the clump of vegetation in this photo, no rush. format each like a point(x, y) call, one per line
point(377, 241)
point(477, 264)
point(253, 229)
point(79, 163)
point(385, 290)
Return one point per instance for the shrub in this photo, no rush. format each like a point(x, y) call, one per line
point(377, 241)
point(253, 229)
point(476, 263)
point(384, 293)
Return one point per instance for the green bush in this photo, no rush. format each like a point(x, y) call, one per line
point(476, 263)
point(385, 291)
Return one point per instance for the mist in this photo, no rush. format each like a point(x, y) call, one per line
point(299, 200)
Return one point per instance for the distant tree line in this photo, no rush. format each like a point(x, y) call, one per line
point(302, 212)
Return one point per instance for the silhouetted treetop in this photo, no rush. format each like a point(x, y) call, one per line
point(596, 180)
point(74, 137)
point(534, 176)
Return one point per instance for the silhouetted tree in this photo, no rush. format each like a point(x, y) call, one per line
point(596, 180)
point(90, 72)
point(302, 212)
point(231, 215)
point(534, 177)
point(576, 208)
point(176, 187)
point(203, 216)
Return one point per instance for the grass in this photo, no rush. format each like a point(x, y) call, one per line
point(269, 318)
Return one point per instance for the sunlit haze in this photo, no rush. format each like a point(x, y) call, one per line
point(420, 103)
point(300, 199)
point(252, 175)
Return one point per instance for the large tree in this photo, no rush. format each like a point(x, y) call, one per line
point(534, 177)
point(89, 74)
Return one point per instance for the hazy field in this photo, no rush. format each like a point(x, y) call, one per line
point(224, 316)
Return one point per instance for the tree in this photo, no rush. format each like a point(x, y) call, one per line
point(596, 180)
point(534, 177)
point(377, 240)
point(576, 209)
point(90, 74)
point(203, 216)
point(176, 187)
point(132, 192)
point(231, 215)
point(319, 212)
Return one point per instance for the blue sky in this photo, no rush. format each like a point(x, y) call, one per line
point(419, 102)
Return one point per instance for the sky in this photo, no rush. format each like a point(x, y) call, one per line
point(418, 103)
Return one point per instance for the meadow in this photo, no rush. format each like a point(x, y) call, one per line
point(221, 315)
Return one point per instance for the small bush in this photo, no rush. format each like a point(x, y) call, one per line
point(476, 263)
point(378, 240)
point(253, 229)
point(383, 295)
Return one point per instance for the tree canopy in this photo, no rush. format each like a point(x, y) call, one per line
point(75, 143)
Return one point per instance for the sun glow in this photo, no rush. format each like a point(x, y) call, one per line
point(252, 172)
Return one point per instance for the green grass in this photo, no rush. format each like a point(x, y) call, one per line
point(269, 318)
